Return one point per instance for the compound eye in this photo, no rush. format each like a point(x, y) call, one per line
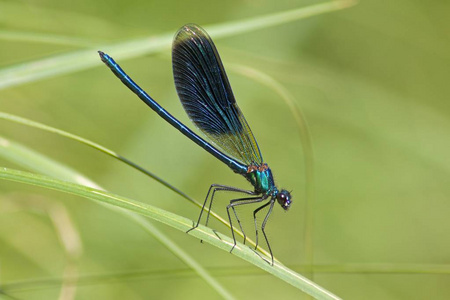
point(284, 199)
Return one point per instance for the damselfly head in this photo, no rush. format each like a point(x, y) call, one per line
point(284, 199)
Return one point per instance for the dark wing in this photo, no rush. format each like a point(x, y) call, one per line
point(203, 88)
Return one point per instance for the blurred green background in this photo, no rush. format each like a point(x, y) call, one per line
point(372, 82)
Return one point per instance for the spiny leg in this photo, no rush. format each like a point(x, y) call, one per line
point(240, 225)
point(203, 207)
point(225, 188)
point(237, 202)
point(254, 218)
point(216, 187)
point(263, 226)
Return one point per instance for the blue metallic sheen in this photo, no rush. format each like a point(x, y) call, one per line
point(117, 70)
point(207, 98)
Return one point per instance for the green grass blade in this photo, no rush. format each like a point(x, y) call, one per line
point(30, 159)
point(379, 268)
point(183, 256)
point(175, 221)
point(384, 268)
point(251, 24)
point(96, 146)
point(85, 59)
point(34, 37)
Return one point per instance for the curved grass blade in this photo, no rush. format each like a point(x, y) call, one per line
point(96, 146)
point(37, 162)
point(175, 221)
point(382, 268)
point(21, 36)
point(85, 59)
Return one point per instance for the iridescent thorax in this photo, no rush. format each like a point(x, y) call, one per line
point(261, 178)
